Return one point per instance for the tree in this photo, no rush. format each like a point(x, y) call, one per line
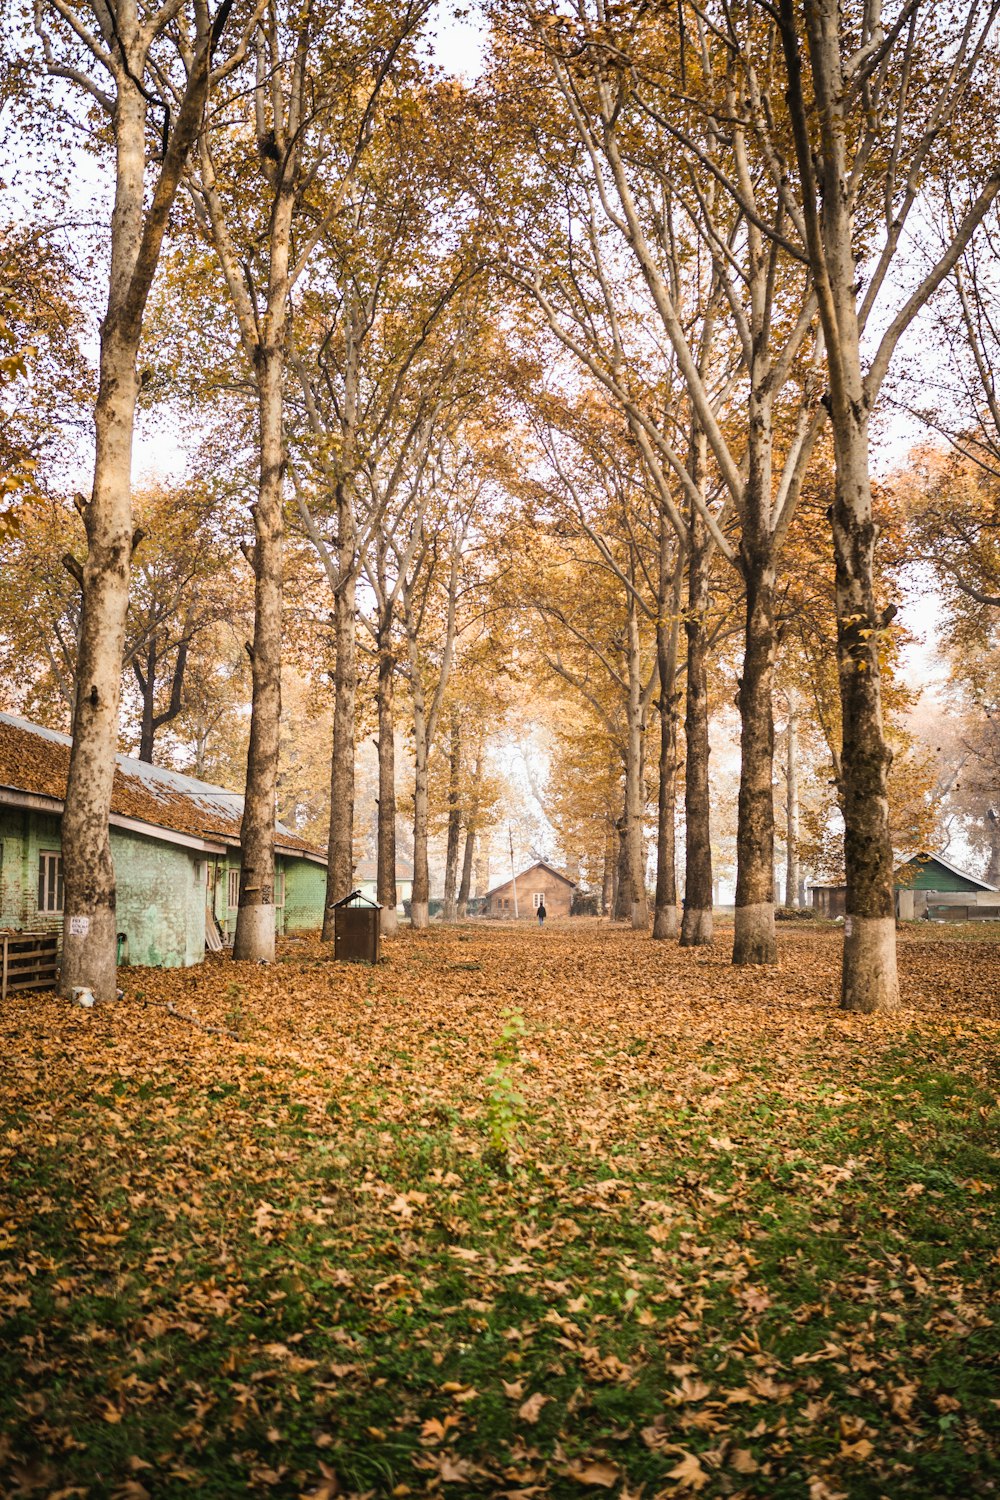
point(382, 355)
point(181, 588)
point(434, 589)
point(653, 171)
point(865, 149)
point(121, 61)
point(45, 379)
point(283, 151)
point(953, 520)
point(809, 678)
point(603, 517)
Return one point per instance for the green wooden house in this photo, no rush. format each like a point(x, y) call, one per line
point(175, 844)
point(928, 885)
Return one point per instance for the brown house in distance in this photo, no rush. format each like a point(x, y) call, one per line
point(541, 882)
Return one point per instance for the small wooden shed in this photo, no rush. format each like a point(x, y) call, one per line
point(829, 899)
point(539, 882)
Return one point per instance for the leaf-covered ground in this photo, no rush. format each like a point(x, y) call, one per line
point(742, 1245)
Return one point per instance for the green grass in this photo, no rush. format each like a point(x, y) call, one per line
point(791, 1273)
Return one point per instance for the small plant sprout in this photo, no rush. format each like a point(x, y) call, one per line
point(505, 1106)
point(235, 1015)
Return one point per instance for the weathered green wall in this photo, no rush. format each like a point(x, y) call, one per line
point(305, 895)
point(219, 867)
point(162, 892)
point(161, 900)
point(24, 834)
point(225, 914)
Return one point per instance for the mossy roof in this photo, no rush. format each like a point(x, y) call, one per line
point(35, 760)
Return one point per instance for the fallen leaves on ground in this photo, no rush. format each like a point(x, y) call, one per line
point(740, 1243)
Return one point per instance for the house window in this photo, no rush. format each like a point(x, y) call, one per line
point(233, 890)
point(279, 888)
point(536, 900)
point(50, 881)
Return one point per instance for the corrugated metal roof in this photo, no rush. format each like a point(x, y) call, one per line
point(36, 761)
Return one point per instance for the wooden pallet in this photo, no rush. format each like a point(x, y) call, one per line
point(28, 961)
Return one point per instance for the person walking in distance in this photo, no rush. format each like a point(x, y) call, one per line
point(541, 913)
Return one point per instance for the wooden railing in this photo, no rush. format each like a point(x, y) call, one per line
point(28, 961)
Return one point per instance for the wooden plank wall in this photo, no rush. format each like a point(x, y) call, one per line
point(28, 961)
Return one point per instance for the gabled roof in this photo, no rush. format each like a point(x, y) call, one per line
point(923, 858)
point(540, 864)
point(34, 762)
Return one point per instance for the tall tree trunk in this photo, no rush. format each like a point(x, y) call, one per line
point(468, 865)
point(608, 878)
point(636, 900)
point(152, 721)
point(869, 979)
point(255, 919)
point(454, 821)
point(622, 905)
point(340, 870)
point(753, 939)
point(386, 851)
point(89, 926)
point(665, 919)
point(420, 897)
point(792, 897)
point(471, 818)
point(696, 925)
point(465, 884)
point(147, 687)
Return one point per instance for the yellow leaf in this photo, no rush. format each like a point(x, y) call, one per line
point(689, 1474)
point(860, 1451)
point(597, 1473)
point(531, 1410)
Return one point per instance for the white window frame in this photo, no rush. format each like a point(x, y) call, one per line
point(537, 898)
point(279, 888)
point(50, 888)
point(232, 890)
